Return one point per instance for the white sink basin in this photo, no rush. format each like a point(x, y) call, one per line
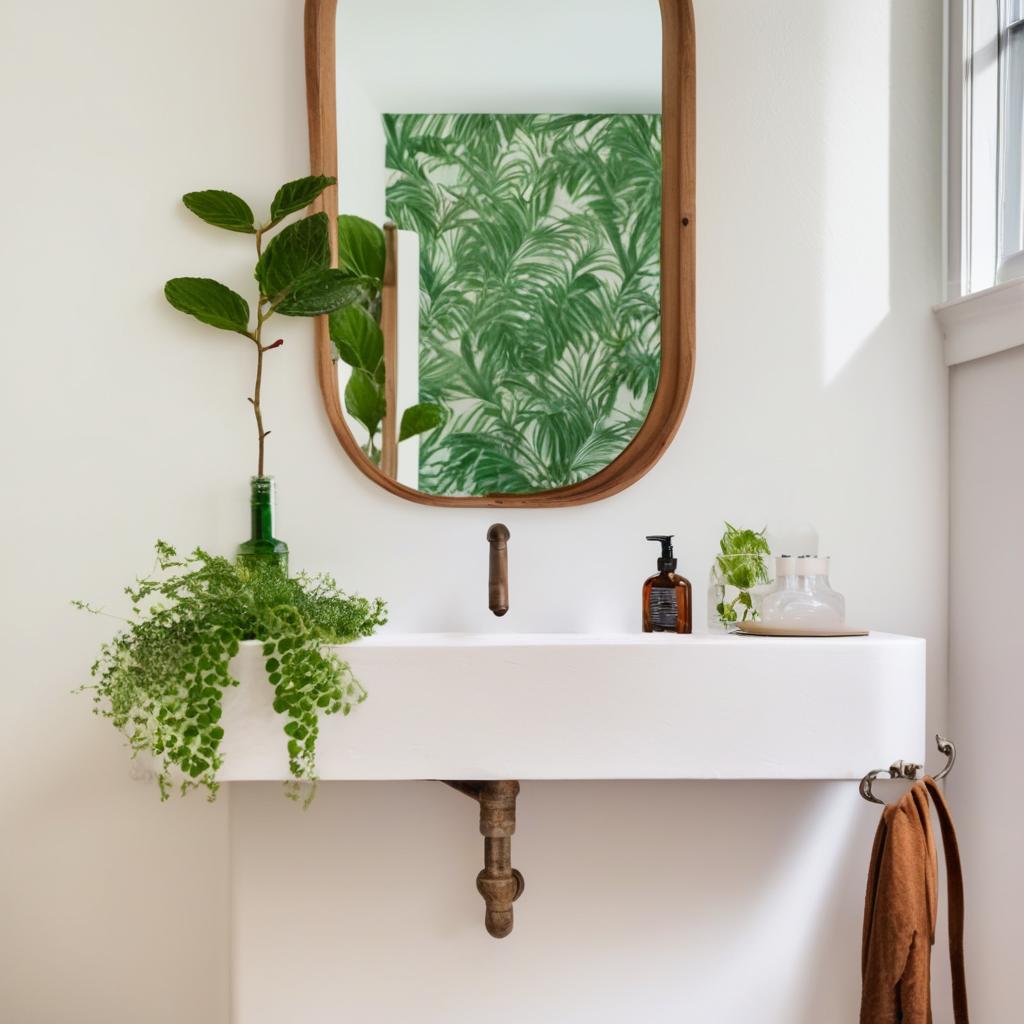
point(631, 706)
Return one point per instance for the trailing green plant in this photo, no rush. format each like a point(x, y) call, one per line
point(359, 341)
point(540, 292)
point(293, 273)
point(162, 678)
point(742, 564)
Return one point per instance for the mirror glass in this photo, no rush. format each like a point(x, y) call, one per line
point(499, 196)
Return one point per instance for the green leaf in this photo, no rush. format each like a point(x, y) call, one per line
point(361, 249)
point(357, 338)
point(299, 250)
point(210, 301)
point(221, 209)
point(736, 541)
point(320, 291)
point(297, 195)
point(364, 400)
point(419, 418)
point(743, 562)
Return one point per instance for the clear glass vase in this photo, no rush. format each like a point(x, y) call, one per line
point(737, 584)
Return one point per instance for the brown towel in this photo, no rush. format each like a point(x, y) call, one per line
point(900, 909)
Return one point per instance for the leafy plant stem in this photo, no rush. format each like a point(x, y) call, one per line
point(294, 274)
point(257, 337)
point(256, 405)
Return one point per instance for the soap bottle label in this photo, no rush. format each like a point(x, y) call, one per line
point(664, 604)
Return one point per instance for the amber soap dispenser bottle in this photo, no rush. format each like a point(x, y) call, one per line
point(668, 597)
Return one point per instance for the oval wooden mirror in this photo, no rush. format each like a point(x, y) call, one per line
point(516, 194)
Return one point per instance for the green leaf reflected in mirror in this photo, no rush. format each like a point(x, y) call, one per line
point(357, 338)
point(364, 399)
point(361, 249)
point(418, 419)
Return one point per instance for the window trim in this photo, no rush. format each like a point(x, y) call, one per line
point(1007, 29)
point(982, 323)
point(990, 318)
point(974, 73)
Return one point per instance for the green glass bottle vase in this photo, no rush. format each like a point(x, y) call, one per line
point(263, 548)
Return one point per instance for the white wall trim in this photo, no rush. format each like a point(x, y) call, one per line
point(982, 323)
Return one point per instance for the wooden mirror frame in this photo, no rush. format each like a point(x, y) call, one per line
point(678, 254)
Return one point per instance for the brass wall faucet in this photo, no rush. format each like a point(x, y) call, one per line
point(497, 580)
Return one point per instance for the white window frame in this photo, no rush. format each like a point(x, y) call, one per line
point(975, 33)
point(984, 311)
point(1011, 100)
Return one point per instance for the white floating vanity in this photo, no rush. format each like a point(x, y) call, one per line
point(578, 706)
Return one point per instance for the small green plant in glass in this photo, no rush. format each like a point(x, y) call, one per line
point(739, 569)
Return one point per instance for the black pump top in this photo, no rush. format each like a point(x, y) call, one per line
point(667, 562)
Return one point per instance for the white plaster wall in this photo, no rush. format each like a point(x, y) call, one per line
point(820, 395)
point(986, 654)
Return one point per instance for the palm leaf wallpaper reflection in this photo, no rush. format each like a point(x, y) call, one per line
point(540, 244)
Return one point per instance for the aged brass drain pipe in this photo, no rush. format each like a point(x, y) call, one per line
point(499, 883)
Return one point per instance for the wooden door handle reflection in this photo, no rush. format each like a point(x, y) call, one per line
point(497, 579)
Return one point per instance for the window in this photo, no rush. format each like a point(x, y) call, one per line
point(986, 144)
point(1011, 141)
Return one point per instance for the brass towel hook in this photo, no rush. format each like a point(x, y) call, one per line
point(908, 771)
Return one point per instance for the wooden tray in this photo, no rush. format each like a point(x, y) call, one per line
point(764, 629)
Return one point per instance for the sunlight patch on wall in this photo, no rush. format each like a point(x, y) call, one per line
point(856, 180)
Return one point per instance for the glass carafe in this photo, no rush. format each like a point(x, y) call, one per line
point(803, 596)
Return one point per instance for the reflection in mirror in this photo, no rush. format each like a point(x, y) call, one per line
point(499, 178)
